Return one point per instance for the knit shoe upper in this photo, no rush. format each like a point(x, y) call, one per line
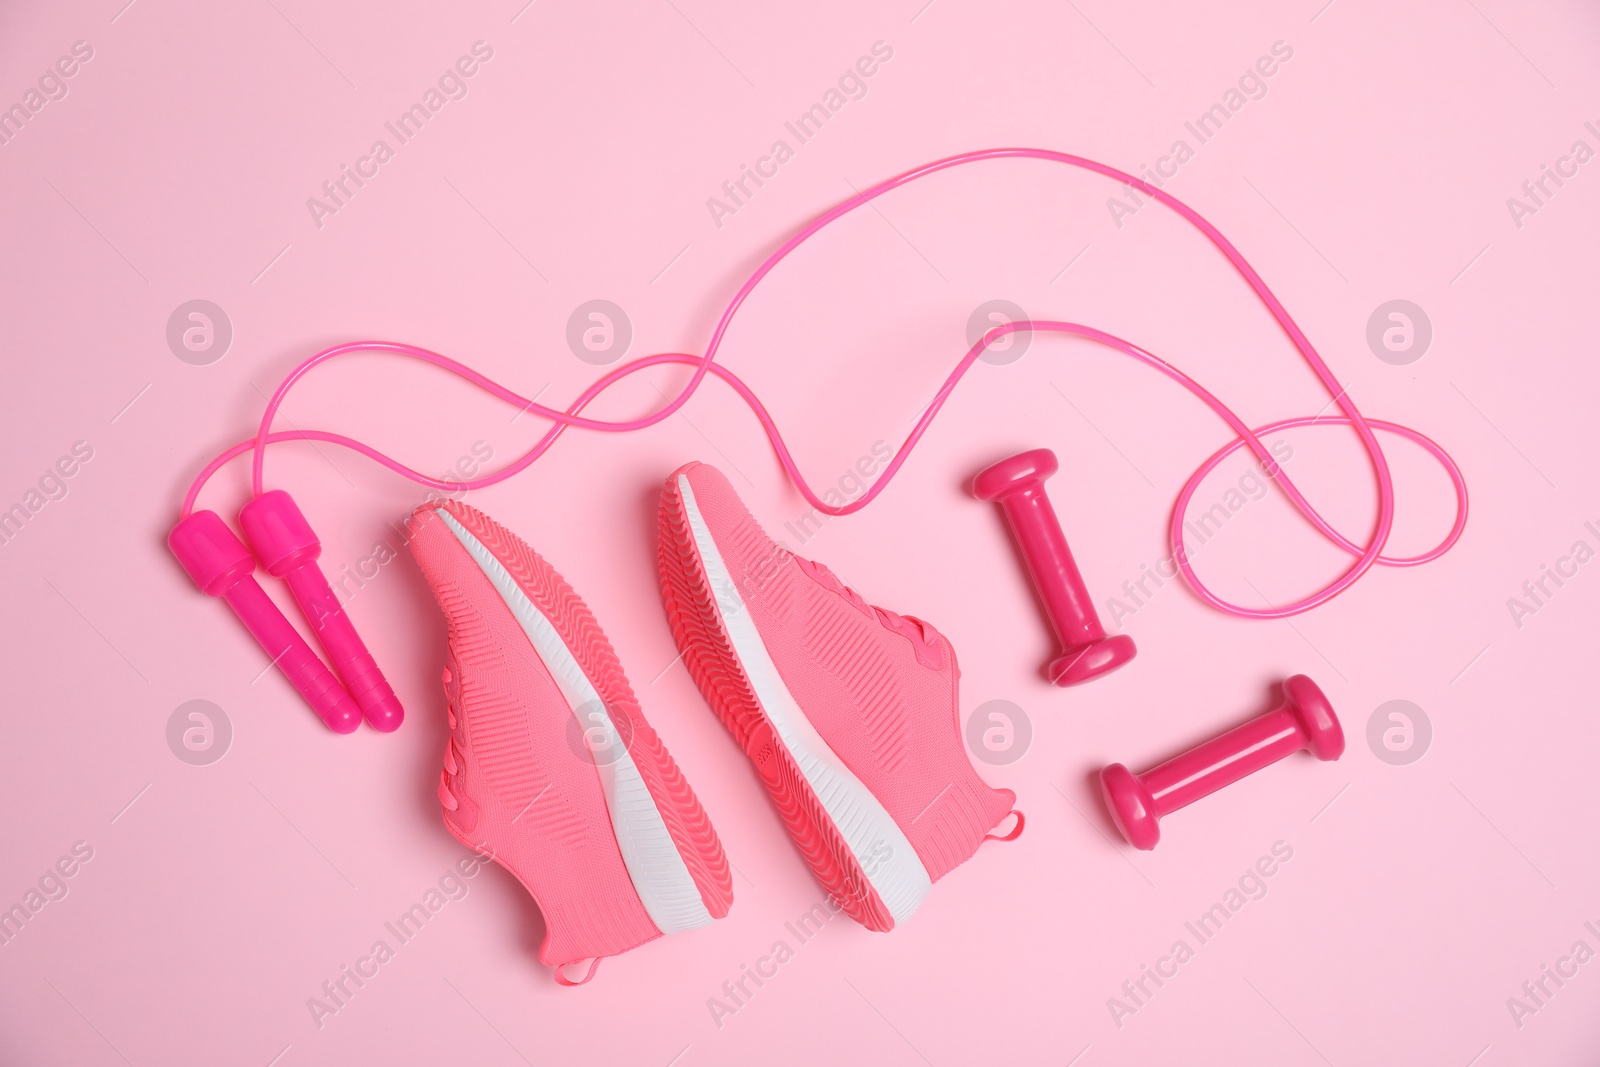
point(550, 766)
point(849, 711)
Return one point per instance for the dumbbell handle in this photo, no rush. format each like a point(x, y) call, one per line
point(1051, 566)
point(1223, 760)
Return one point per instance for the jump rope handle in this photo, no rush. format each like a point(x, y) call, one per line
point(222, 566)
point(288, 549)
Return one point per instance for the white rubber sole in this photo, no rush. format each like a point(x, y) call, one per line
point(868, 830)
point(654, 865)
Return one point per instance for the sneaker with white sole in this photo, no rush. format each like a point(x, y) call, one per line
point(550, 767)
point(848, 711)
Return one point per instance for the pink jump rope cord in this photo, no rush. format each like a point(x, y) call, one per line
point(1367, 555)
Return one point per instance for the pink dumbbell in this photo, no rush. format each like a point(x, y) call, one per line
point(1305, 720)
point(1017, 485)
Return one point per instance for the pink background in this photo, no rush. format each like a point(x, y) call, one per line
point(220, 897)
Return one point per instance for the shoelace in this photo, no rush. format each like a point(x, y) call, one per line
point(925, 640)
point(454, 759)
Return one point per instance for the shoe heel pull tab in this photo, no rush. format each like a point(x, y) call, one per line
point(1016, 831)
point(562, 979)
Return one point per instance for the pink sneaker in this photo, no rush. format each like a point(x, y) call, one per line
point(550, 767)
point(848, 711)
